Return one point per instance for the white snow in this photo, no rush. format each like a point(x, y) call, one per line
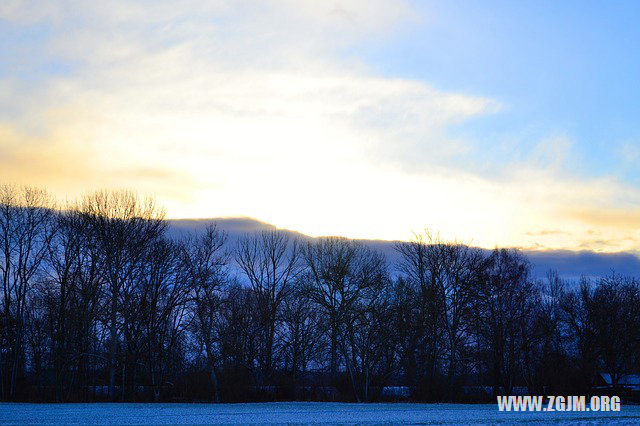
point(295, 413)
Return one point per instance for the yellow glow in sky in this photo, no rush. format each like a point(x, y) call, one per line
point(277, 126)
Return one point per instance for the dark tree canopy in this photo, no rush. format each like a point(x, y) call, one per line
point(99, 302)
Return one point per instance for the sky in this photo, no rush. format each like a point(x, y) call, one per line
point(494, 123)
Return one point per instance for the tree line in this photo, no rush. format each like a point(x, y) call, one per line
point(99, 302)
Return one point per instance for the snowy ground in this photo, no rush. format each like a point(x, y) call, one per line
point(295, 413)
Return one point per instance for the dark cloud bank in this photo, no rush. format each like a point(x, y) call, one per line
point(569, 264)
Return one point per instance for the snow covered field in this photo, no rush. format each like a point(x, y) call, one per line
point(294, 413)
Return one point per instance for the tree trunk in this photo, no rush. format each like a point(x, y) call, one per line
point(334, 352)
point(214, 381)
point(112, 351)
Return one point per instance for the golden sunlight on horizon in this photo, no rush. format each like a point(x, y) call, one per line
point(303, 169)
point(385, 221)
point(291, 131)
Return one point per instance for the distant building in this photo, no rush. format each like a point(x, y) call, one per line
point(628, 387)
point(629, 382)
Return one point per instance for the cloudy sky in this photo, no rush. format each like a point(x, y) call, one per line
point(495, 123)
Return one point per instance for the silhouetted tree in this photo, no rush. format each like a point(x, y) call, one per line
point(26, 227)
point(124, 227)
point(204, 268)
point(503, 303)
point(341, 275)
point(615, 312)
point(270, 262)
point(99, 293)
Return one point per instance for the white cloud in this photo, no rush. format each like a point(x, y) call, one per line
point(228, 78)
point(249, 109)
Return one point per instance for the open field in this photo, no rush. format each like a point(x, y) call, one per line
point(295, 413)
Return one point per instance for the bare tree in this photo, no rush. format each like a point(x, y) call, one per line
point(71, 289)
point(124, 226)
point(26, 228)
point(270, 261)
point(444, 275)
point(421, 313)
point(455, 270)
point(204, 265)
point(98, 289)
point(368, 346)
point(341, 273)
point(239, 331)
point(577, 307)
point(615, 319)
point(503, 302)
point(159, 304)
point(301, 335)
